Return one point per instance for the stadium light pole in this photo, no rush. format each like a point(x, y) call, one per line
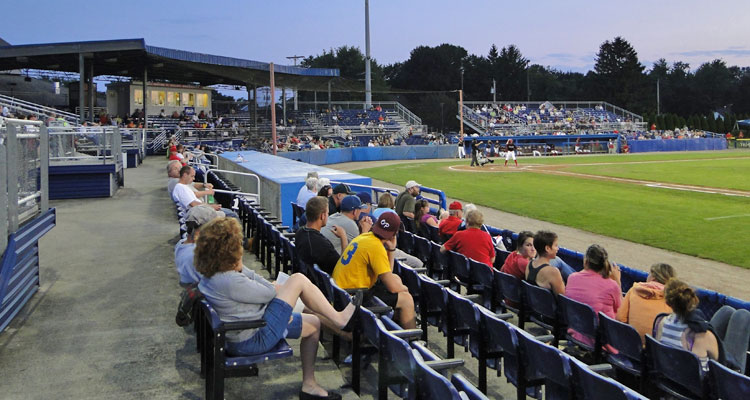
point(272, 90)
point(368, 84)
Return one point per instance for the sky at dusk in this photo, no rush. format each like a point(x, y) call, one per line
point(562, 34)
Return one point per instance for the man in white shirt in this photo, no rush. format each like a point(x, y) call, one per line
point(184, 195)
point(307, 192)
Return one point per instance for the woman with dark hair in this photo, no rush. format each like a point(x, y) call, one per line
point(422, 217)
point(645, 300)
point(237, 293)
point(597, 285)
point(325, 191)
point(539, 272)
point(517, 261)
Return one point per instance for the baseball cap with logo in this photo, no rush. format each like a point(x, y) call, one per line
point(351, 203)
point(201, 215)
point(455, 206)
point(386, 226)
point(342, 189)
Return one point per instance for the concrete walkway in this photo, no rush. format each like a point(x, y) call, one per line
point(102, 325)
point(724, 278)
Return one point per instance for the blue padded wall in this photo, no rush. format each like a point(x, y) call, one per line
point(642, 146)
point(349, 154)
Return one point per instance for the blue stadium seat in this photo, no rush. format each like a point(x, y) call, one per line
point(512, 296)
point(627, 341)
point(582, 318)
point(543, 309)
point(590, 385)
point(433, 305)
point(458, 267)
point(481, 277)
point(674, 371)
point(544, 364)
point(727, 384)
point(217, 364)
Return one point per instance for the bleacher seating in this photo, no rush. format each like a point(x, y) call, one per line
point(465, 314)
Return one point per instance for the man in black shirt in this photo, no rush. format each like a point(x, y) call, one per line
point(339, 192)
point(311, 246)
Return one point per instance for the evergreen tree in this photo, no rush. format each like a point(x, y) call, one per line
point(618, 75)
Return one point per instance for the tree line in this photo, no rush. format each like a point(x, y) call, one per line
point(427, 81)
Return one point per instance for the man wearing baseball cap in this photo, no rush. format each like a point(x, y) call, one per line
point(450, 225)
point(339, 192)
point(183, 251)
point(406, 200)
point(367, 262)
point(351, 207)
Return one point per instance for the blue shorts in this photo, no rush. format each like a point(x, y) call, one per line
point(278, 326)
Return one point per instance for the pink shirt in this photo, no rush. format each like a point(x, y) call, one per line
point(591, 288)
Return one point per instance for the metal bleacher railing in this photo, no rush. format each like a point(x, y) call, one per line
point(40, 111)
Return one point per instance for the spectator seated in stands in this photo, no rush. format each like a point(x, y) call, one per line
point(334, 201)
point(449, 226)
point(516, 263)
point(346, 220)
point(366, 200)
point(539, 271)
point(598, 285)
point(473, 242)
point(645, 300)
point(188, 198)
point(311, 246)
point(406, 200)
point(173, 175)
point(237, 293)
point(423, 218)
point(185, 249)
point(686, 327)
point(385, 203)
point(307, 191)
point(367, 262)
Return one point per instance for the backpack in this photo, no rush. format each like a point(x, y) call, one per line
point(188, 301)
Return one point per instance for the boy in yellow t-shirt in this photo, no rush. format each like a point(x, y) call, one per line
point(367, 262)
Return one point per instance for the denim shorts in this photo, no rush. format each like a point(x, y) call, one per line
point(277, 327)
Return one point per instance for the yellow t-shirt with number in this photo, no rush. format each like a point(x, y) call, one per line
point(363, 260)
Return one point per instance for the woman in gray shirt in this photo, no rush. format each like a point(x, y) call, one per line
point(237, 293)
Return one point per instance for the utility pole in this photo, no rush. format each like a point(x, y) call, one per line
point(494, 91)
point(295, 58)
point(368, 83)
point(658, 101)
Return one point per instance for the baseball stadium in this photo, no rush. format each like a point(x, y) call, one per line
point(487, 225)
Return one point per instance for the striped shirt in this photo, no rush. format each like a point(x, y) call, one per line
point(672, 332)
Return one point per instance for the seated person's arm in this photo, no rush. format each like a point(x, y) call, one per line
point(195, 203)
point(392, 282)
point(432, 222)
point(408, 214)
point(553, 279)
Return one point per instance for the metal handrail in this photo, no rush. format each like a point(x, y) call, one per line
point(224, 171)
point(37, 109)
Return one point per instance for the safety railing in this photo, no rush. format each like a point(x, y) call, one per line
point(23, 173)
point(440, 201)
point(252, 196)
point(85, 145)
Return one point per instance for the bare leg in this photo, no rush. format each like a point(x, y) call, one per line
point(331, 326)
point(308, 349)
point(405, 307)
point(299, 286)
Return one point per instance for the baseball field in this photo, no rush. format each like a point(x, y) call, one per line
point(695, 203)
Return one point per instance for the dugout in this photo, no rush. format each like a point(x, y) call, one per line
point(548, 145)
point(280, 178)
point(25, 215)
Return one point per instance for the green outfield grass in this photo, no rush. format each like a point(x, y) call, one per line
point(670, 219)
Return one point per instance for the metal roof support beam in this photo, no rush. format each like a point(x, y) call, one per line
point(283, 104)
point(329, 97)
point(255, 106)
point(92, 90)
point(273, 109)
point(81, 75)
point(145, 97)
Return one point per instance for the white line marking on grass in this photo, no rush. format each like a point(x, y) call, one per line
point(694, 189)
point(727, 216)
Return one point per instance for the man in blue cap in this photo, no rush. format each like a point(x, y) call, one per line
point(351, 207)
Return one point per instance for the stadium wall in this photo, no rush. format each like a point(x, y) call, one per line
point(349, 154)
point(644, 146)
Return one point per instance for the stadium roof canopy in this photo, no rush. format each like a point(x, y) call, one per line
point(130, 57)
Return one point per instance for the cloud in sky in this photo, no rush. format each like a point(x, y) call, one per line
point(734, 51)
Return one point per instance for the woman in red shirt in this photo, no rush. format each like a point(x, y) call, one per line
point(517, 261)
